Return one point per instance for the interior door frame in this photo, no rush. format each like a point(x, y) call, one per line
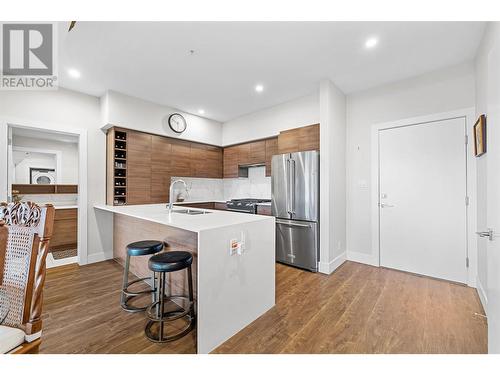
point(6, 123)
point(471, 209)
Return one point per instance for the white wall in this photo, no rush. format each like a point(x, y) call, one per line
point(129, 112)
point(71, 110)
point(269, 122)
point(491, 37)
point(69, 158)
point(436, 92)
point(332, 177)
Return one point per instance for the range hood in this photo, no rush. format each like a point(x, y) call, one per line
point(243, 168)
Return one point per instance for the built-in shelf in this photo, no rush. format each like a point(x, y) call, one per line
point(117, 166)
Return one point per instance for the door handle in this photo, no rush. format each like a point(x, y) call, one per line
point(293, 224)
point(288, 187)
point(488, 233)
point(385, 205)
point(293, 188)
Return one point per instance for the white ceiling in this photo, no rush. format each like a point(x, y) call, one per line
point(152, 60)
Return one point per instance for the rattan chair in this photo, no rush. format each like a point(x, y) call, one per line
point(25, 231)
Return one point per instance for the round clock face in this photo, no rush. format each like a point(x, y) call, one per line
point(177, 123)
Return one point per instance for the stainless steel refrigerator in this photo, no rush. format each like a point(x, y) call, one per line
point(295, 204)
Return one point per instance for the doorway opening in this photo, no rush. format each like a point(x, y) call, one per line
point(43, 166)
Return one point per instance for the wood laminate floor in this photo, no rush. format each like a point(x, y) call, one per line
point(357, 309)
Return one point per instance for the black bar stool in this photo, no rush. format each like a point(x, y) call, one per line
point(138, 249)
point(162, 264)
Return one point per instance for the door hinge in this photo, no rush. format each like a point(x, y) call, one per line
point(467, 200)
point(466, 139)
point(467, 262)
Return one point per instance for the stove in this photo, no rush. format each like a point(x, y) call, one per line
point(247, 205)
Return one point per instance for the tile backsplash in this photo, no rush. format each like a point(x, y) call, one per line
point(257, 185)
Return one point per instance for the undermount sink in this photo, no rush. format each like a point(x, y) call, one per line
point(191, 212)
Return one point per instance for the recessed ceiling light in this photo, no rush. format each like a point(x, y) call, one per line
point(201, 111)
point(74, 73)
point(259, 88)
point(371, 42)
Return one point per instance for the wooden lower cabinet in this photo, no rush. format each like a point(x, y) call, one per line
point(65, 235)
point(264, 210)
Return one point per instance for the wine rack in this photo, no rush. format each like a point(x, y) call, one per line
point(117, 171)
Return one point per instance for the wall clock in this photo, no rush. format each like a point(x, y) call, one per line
point(177, 123)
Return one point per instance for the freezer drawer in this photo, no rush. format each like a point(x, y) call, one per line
point(297, 243)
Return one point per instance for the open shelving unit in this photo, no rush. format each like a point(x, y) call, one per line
point(117, 167)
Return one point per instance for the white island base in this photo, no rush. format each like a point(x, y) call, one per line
point(232, 289)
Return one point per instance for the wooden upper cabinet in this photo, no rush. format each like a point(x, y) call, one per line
point(257, 152)
point(138, 167)
point(206, 161)
point(181, 158)
point(161, 170)
point(309, 138)
point(243, 153)
point(231, 162)
point(271, 149)
point(299, 139)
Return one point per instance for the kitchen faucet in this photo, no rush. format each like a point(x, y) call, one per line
point(171, 194)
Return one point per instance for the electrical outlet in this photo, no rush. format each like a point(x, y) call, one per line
point(234, 245)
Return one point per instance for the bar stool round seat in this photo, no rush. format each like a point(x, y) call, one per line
point(170, 261)
point(139, 248)
point(147, 247)
point(168, 308)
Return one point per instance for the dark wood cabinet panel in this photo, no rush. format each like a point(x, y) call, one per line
point(288, 141)
point(231, 162)
point(271, 149)
point(264, 210)
point(220, 206)
point(65, 235)
point(309, 138)
point(243, 153)
point(181, 158)
point(138, 167)
point(206, 161)
point(299, 139)
point(161, 152)
point(257, 152)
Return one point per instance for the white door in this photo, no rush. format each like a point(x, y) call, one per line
point(493, 199)
point(422, 177)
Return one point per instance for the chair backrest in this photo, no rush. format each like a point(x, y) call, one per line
point(22, 262)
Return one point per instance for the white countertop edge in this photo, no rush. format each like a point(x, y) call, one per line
point(182, 223)
point(65, 207)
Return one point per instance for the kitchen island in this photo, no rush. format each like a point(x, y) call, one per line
point(232, 288)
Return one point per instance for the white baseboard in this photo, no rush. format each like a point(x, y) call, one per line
point(362, 258)
point(328, 268)
point(51, 262)
point(482, 295)
point(99, 257)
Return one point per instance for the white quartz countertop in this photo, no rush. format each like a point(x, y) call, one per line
point(158, 213)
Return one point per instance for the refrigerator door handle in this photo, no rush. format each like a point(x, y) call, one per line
point(292, 187)
point(292, 224)
point(288, 209)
